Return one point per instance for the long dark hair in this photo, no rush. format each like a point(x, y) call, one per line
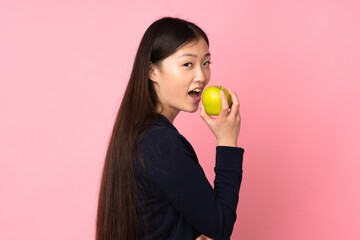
point(116, 213)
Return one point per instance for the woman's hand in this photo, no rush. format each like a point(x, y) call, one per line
point(203, 237)
point(226, 126)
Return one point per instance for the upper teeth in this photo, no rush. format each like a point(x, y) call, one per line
point(197, 90)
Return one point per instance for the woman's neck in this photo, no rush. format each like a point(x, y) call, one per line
point(169, 112)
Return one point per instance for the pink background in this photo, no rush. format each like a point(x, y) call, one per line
point(295, 66)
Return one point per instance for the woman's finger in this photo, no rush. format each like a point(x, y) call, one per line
point(206, 117)
point(235, 103)
point(224, 104)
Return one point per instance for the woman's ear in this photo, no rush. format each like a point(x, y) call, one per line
point(153, 72)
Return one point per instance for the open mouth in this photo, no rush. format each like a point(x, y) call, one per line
point(196, 93)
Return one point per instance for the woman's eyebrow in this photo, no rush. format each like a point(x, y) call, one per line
point(193, 55)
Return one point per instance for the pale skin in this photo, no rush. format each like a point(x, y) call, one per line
point(186, 69)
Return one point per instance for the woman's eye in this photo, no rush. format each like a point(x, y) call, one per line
point(188, 64)
point(207, 63)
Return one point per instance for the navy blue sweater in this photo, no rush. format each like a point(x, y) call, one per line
point(176, 201)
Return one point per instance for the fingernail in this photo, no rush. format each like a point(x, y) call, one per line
point(222, 92)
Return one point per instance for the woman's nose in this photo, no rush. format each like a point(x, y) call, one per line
point(200, 75)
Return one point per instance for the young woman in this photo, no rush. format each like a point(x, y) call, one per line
point(152, 184)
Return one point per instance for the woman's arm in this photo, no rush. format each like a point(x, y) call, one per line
point(174, 172)
point(176, 176)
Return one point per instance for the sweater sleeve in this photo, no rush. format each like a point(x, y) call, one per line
point(173, 171)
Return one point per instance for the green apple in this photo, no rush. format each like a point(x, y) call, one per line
point(212, 101)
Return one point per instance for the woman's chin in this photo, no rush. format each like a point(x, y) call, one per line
point(193, 109)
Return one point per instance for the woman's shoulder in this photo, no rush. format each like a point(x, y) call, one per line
point(164, 147)
point(160, 130)
point(163, 133)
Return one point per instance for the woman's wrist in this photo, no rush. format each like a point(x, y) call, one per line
point(227, 143)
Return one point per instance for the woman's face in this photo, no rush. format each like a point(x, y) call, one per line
point(180, 78)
